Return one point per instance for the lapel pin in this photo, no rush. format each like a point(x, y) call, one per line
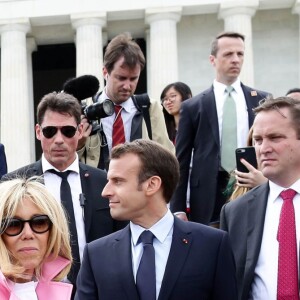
point(253, 93)
point(86, 174)
point(185, 241)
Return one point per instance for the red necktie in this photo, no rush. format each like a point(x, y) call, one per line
point(118, 127)
point(287, 283)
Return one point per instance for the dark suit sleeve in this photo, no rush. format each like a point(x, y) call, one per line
point(223, 222)
point(86, 285)
point(184, 148)
point(225, 287)
point(3, 164)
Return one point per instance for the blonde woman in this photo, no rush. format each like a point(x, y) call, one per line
point(35, 253)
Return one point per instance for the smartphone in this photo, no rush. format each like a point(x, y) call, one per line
point(247, 153)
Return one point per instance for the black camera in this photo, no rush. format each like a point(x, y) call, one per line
point(97, 111)
point(84, 87)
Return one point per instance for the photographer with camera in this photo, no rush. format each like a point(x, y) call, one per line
point(83, 88)
point(123, 62)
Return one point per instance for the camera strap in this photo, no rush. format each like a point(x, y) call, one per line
point(143, 102)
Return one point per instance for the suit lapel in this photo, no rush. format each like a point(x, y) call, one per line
point(86, 190)
point(181, 243)
point(252, 98)
point(257, 204)
point(209, 105)
point(123, 263)
point(38, 169)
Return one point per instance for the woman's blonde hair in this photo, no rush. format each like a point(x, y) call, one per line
point(12, 194)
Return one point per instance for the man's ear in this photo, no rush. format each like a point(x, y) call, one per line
point(212, 60)
point(80, 130)
point(38, 131)
point(153, 184)
point(105, 73)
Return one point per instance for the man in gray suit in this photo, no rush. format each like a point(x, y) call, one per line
point(253, 220)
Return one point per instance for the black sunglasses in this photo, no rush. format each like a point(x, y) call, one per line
point(14, 226)
point(50, 131)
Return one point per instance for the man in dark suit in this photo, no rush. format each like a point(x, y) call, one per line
point(200, 132)
point(189, 260)
point(59, 129)
point(3, 164)
point(253, 220)
point(123, 63)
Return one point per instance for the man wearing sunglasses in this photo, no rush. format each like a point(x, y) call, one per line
point(59, 129)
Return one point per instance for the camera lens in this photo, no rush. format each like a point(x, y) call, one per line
point(108, 107)
point(99, 110)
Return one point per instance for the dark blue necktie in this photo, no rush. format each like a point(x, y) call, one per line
point(145, 277)
point(66, 201)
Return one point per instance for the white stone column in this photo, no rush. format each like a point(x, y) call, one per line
point(31, 46)
point(296, 10)
point(237, 17)
point(89, 44)
point(148, 62)
point(15, 104)
point(163, 48)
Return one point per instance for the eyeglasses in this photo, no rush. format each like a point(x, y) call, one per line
point(171, 98)
point(50, 131)
point(14, 226)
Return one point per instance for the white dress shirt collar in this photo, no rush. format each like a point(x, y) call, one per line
point(73, 167)
point(221, 86)
point(276, 189)
point(160, 229)
point(126, 104)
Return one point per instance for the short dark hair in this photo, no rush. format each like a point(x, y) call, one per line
point(123, 46)
point(62, 103)
point(214, 44)
point(155, 161)
point(294, 90)
point(293, 105)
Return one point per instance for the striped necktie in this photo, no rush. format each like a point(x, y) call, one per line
point(118, 136)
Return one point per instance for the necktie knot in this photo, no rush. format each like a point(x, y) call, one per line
point(117, 109)
point(229, 89)
point(146, 237)
point(288, 194)
point(63, 175)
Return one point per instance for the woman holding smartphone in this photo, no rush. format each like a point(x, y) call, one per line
point(242, 182)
